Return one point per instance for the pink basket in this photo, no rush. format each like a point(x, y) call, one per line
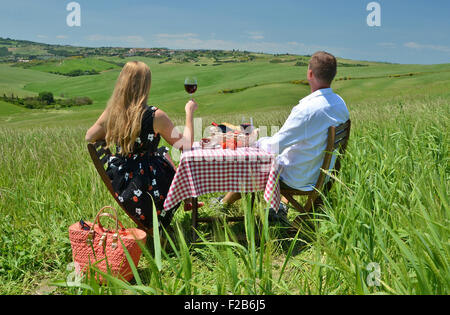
point(99, 246)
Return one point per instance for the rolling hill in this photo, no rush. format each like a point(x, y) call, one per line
point(265, 84)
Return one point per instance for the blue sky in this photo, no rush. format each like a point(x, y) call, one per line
point(416, 31)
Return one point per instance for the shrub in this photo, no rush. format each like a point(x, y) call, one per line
point(342, 64)
point(32, 102)
point(301, 63)
point(46, 97)
point(303, 82)
point(75, 101)
point(77, 72)
point(4, 52)
point(45, 100)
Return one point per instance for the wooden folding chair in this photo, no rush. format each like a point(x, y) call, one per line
point(99, 154)
point(337, 141)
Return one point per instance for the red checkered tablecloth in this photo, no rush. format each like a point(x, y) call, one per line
point(204, 171)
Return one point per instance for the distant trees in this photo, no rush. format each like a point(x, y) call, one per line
point(45, 100)
point(47, 53)
point(300, 82)
point(4, 52)
point(46, 97)
point(342, 64)
point(76, 101)
point(62, 52)
point(301, 63)
point(77, 72)
point(71, 73)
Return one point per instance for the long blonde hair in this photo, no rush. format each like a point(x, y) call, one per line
point(127, 105)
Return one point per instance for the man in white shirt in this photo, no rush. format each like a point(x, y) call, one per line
point(301, 142)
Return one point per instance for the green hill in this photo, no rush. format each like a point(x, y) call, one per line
point(261, 83)
point(264, 85)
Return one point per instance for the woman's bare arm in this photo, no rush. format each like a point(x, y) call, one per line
point(98, 130)
point(164, 126)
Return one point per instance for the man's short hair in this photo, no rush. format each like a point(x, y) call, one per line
point(323, 66)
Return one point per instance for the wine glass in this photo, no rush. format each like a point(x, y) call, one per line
point(190, 85)
point(247, 125)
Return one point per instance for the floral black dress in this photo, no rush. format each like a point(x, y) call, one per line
point(143, 176)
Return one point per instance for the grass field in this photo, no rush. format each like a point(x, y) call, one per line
point(389, 207)
point(67, 65)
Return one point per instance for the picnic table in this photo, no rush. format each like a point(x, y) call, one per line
point(244, 170)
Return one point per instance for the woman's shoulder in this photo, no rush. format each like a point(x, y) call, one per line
point(160, 116)
point(161, 120)
point(157, 113)
point(149, 113)
point(150, 109)
point(152, 114)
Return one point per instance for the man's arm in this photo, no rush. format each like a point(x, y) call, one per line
point(293, 131)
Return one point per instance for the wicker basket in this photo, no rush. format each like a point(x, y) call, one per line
point(102, 248)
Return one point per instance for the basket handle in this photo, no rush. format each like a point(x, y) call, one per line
point(102, 214)
point(97, 221)
point(118, 223)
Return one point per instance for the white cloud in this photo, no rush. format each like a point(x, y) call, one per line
point(186, 42)
point(128, 39)
point(177, 36)
point(42, 36)
point(61, 36)
point(414, 45)
point(192, 41)
point(254, 42)
point(255, 35)
point(387, 44)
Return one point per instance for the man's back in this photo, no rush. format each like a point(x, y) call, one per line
point(301, 141)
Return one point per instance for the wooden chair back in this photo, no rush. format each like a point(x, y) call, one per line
point(100, 154)
point(337, 141)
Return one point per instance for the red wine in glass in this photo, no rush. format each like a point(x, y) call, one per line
point(190, 85)
point(247, 125)
point(190, 88)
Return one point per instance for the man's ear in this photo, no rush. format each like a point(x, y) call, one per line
point(309, 74)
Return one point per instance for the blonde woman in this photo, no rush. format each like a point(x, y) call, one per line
point(139, 170)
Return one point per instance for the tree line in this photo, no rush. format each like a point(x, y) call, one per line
point(46, 100)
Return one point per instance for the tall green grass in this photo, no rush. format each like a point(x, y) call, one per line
point(388, 208)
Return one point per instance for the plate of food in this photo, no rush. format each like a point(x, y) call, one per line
point(208, 143)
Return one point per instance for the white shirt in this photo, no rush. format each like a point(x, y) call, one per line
point(303, 138)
